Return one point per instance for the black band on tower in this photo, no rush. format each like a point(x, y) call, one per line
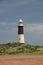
point(20, 30)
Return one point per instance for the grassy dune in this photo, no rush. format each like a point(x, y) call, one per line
point(17, 49)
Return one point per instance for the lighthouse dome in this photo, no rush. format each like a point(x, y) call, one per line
point(21, 20)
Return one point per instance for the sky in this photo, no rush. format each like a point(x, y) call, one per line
point(30, 11)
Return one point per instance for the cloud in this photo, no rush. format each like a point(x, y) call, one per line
point(9, 30)
point(34, 28)
point(7, 27)
point(3, 23)
point(34, 33)
point(8, 23)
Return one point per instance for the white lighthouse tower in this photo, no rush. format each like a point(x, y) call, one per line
point(20, 32)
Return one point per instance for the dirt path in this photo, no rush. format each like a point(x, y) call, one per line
point(22, 60)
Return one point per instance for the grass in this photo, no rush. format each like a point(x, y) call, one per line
point(20, 49)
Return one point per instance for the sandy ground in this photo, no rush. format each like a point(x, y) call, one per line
point(22, 60)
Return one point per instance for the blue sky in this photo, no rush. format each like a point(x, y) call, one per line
point(30, 11)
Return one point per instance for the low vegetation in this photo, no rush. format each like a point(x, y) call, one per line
point(17, 48)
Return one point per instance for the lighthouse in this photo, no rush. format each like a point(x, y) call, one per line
point(20, 32)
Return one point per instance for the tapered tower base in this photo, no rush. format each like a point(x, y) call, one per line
point(21, 38)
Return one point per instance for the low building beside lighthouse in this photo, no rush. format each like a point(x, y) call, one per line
point(21, 31)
